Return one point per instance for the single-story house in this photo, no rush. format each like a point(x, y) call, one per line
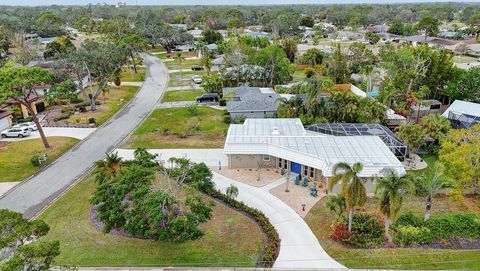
point(196, 33)
point(256, 34)
point(212, 48)
point(179, 26)
point(6, 118)
point(251, 102)
point(463, 114)
point(286, 144)
point(218, 63)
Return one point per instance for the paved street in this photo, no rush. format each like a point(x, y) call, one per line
point(299, 246)
point(34, 194)
point(78, 133)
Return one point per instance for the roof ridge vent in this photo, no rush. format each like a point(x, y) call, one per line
point(275, 131)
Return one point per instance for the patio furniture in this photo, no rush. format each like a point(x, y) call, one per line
point(305, 182)
point(314, 190)
point(297, 180)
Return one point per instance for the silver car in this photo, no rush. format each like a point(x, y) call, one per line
point(30, 125)
point(16, 132)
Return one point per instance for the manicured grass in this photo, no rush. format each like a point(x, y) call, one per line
point(172, 55)
point(186, 64)
point(464, 59)
point(230, 239)
point(128, 75)
point(157, 49)
point(173, 128)
point(15, 156)
point(298, 76)
point(181, 95)
point(320, 220)
point(430, 159)
point(113, 101)
point(180, 83)
point(188, 72)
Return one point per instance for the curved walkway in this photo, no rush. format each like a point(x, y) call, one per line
point(34, 194)
point(299, 247)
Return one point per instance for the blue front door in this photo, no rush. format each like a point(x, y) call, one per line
point(295, 167)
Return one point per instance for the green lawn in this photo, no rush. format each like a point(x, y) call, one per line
point(157, 49)
point(172, 55)
point(128, 75)
point(430, 159)
point(320, 220)
point(15, 156)
point(109, 105)
point(231, 239)
point(464, 59)
point(172, 128)
point(181, 95)
point(298, 76)
point(186, 64)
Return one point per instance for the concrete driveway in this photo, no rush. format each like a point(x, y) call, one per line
point(299, 246)
point(34, 194)
point(79, 133)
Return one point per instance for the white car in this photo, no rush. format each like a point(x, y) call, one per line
point(30, 125)
point(197, 79)
point(16, 132)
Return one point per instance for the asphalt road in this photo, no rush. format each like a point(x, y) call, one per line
point(34, 194)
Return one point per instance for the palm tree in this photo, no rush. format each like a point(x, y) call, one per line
point(179, 58)
point(353, 189)
point(199, 48)
point(107, 169)
point(336, 205)
point(433, 185)
point(207, 62)
point(232, 192)
point(392, 189)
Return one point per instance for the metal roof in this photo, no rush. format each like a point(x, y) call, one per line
point(463, 107)
point(288, 139)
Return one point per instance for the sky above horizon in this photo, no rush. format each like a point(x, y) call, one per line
point(210, 2)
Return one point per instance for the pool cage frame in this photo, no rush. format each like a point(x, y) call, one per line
point(462, 121)
point(359, 129)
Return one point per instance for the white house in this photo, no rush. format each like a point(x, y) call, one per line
point(463, 114)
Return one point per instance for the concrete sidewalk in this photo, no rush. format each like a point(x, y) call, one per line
point(79, 133)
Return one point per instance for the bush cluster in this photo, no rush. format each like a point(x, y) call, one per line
point(271, 249)
point(367, 232)
point(412, 230)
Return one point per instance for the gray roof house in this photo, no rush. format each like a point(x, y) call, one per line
point(251, 102)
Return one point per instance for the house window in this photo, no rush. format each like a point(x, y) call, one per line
point(282, 163)
point(266, 157)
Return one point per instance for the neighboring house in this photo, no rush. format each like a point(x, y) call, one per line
point(251, 102)
point(256, 34)
point(347, 35)
point(6, 118)
point(218, 63)
point(287, 145)
point(196, 33)
point(212, 48)
point(424, 108)
point(379, 28)
point(463, 114)
point(308, 34)
point(179, 26)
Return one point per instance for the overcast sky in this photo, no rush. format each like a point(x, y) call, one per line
point(206, 2)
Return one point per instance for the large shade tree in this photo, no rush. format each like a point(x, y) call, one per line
point(21, 85)
point(412, 135)
point(352, 187)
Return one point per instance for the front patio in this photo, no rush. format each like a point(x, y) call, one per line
point(251, 176)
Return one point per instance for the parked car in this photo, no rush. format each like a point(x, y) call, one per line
point(197, 68)
point(16, 132)
point(208, 97)
point(197, 79)
point(29, 125)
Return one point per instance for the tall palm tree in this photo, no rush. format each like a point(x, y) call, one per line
point(207, 62)
point(433, 185)
point(353, 188)
point(179, 58)
point(392, 190)
point(200, 48)
point(107, 169)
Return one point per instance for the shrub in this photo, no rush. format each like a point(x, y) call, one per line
point(411, 235)
point(227, 119)
point(309, 72)
point(366, 231)
point(92, 121)
point(76, 100)
point(35, 161)
point(223, 102)
point(408, 219)
point(63, 116)
point(454, 225)
point(340, 232)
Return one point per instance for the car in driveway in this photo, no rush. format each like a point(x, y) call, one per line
point(197, 68)
point(30, 125)
point(16, 132)
point(208, 97)
point(197, 79)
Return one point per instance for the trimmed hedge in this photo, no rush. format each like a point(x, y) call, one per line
point(412, 230)
point(270, 251)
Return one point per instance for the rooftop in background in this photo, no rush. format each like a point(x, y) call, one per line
point(288, 138)
point(250, 99)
